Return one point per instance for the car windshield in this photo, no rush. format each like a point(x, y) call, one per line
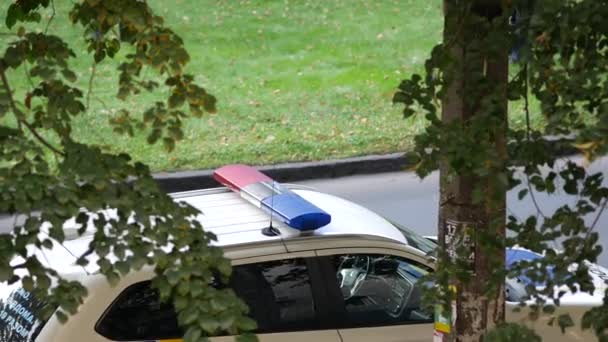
point(416, 241)
point(20, 313)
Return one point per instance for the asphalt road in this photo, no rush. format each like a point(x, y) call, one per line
point(404, 198)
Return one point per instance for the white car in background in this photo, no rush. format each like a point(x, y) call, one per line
point(329, 270)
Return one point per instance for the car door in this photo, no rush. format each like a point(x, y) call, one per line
point(376, 295)
point(288, 301)
point(278, 289)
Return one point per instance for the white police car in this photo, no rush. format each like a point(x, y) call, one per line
point(328, 270)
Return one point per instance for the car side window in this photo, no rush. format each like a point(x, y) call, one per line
point(138, 314)
point(380, 290)
point(278, 293)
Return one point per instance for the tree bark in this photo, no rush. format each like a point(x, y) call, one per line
point(460, 217)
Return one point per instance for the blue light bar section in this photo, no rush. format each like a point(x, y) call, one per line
point(296, 212)
point(515, 255)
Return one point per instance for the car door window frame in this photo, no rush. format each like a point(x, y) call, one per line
point(317, 282)
point(336, 304)
point(317, 286)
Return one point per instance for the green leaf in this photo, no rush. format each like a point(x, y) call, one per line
point(113, 278)
point(104, 265)
point(47, 243)
point(176, 99)
point(69, 75)
point(13, 14)
point(209, 103)
point(61, 316)
point(549, 309)
point(180, 302)
point(169, 143)
point(245, 323)
point(522, 193)
point(565, 321)
point(571, 188)
point(193, 335)
point(82, 261)
point(173, 277)
point(6, 272)
point(183, 288)
point(189, 315)
point(43, 282)
point(123, 267)
point(210, 325)
point(99, 56)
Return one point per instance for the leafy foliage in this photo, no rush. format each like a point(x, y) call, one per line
point(559, 50)
point(47, 178)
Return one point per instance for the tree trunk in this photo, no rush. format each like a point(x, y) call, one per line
point(461, 218)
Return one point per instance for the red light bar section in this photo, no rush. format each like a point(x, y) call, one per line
point(239, 176)
point(261, 191)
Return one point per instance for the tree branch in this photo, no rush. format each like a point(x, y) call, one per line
point(93, 71)
point(538, 210)
point(41, 139)
point(21, 265)
point(597, 218)
point(22, 120)
point(103, 104)
point(599, 214)
point(528, 129)
point(526, 107)
point(27, 74)
point(48, 24)
point(9, 93)
point(90, 89)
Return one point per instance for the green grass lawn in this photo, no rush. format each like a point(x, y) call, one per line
point(295, 80)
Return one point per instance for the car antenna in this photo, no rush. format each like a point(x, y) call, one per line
point(270, 230)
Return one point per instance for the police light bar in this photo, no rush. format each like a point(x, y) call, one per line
point(263, 192)
point(515, 255)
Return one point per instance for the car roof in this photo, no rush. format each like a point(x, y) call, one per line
point(235, 221)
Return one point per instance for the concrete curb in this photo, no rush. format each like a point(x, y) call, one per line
point(290, 172)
